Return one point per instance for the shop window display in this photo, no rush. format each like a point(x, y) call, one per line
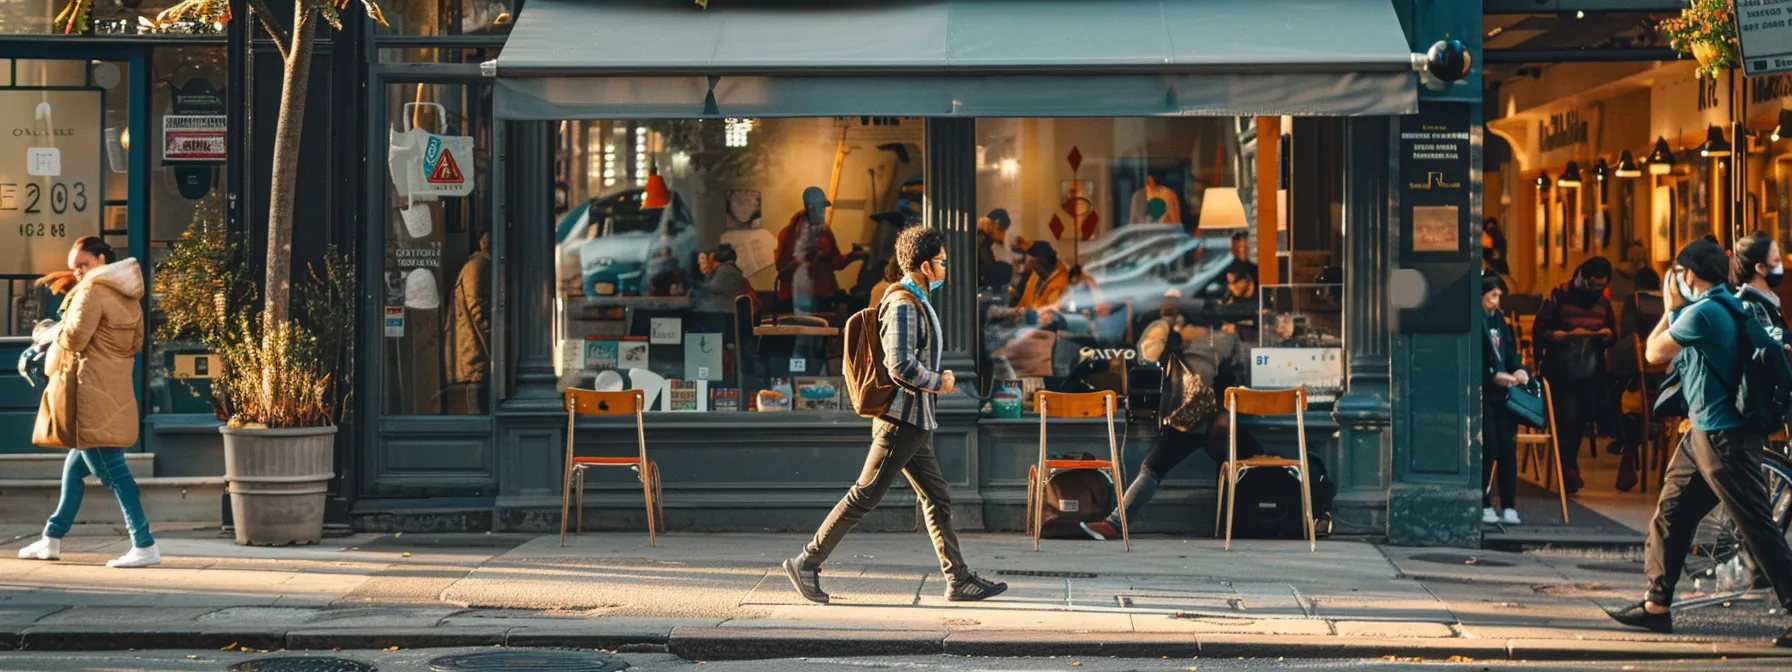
point(450, 17)
point(187, 98)
point(1092, 231)
point(713, 262)
point(436, 327)
point(105, 18)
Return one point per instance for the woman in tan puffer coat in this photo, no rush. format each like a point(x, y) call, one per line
point(90, 404)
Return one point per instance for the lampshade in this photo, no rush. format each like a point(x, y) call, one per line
point(1601, 169)
point(1222, 209)
point(1627, 167)
point(1715, 144)
point(656, 195)
point(1784, 130)
point(1570, 176)
point(1661, 161)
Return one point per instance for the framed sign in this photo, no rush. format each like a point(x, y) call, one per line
point(50, 180)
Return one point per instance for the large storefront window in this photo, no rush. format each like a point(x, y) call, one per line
point(450, 17)
point(187, 117)
point(102, 18)
point(1091, 246)
point(436, 327)
point(712, 262)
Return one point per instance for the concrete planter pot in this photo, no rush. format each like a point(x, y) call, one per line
point(278, 479)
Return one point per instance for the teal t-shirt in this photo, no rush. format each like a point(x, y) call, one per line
point(1708, 365)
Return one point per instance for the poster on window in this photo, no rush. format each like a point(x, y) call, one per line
point(49, 175)
point(1319, 370)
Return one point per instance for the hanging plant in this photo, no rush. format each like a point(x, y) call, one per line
point(1707, 32)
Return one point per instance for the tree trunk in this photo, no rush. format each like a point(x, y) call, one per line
point(283, 182)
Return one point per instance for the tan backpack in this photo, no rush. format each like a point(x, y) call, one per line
point(868, 382)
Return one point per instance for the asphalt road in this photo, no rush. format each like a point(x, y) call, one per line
point(420, 661)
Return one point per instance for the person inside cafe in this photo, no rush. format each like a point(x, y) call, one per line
point(723, 282)
point(808, 256)
point(1573, 330)
point(1048, 277)
point(1642, 309)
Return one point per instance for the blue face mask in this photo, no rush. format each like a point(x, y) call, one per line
point(934, 284)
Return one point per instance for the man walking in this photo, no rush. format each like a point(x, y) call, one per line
point(902, 438)
point(1719, 460)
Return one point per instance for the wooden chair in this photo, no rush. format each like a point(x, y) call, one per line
point(1654, 438)
point(1540, 446)
point(1264, 402)
point(624, 402)
point(1067, 405)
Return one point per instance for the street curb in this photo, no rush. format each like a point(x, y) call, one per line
point(743, 643)
point(758, 644)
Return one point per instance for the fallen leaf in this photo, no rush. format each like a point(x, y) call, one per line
point(192, 656)
point(228, 647)
point(407, 554)
point(391, 648)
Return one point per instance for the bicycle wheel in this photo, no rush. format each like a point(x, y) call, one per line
point(1717, 563)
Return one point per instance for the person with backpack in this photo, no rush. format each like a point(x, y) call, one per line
point(1755, 270)
point(1572, 332)
point(1732, 380)
point(897, 381)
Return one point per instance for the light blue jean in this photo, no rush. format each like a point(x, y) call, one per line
point(108, 465)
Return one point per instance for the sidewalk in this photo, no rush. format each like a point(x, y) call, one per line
point(721, 596)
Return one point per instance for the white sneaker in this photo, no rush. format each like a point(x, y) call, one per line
point(46, 548)
point(1489, 516)
point(1510, 517)
point(138, 557)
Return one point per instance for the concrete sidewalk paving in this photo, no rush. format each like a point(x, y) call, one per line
point(721, 596)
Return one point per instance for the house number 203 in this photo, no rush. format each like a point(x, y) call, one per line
point(59, 198)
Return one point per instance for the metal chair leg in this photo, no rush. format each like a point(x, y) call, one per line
point(1038, 506)
point(646, 473)
point(1231, 503)
point(1219, 498)
point(1120, 503)
point(580, 513)
point(1306, 509)
point(565, 502)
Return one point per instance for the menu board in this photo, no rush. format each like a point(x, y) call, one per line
point(49, 175)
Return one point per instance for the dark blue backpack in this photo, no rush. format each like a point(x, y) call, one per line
point(1763, 379)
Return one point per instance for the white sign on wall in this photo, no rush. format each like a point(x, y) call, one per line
point(1319, 370)
point(1764, 29)
point(49, 175)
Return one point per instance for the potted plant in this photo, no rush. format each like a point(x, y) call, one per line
point(1707, 31)
point(279, 389)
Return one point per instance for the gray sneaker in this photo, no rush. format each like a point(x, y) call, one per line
point(974, 588)
point(807, 582)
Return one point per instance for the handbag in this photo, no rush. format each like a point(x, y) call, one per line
point(1190, 401)
point(1525, 403)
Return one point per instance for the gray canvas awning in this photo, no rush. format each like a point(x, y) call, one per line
point(592, 59)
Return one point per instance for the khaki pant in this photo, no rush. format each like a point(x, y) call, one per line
point(895, 449)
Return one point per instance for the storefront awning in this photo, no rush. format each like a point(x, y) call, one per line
point(589, 59)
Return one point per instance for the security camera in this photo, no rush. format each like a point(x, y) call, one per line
point(1448, 60)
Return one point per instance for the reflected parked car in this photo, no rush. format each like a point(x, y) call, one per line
point(617, 247)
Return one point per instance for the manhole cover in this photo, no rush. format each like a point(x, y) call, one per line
point(1459, 559)
point(1614, 567)
point(1047, 575)
point(302, 664)
point(545, 661)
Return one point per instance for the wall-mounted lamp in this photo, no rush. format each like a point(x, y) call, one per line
point(1715, 145)
point(1601, 170)
point(1543, 183)
point(1570, 176)
point(1627, 167)
point(1784, 129)
point(1661, 161)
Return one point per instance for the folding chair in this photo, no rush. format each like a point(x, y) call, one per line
point(624, 402)
point(1066, 405)
point(1540, 446)
point(1264, 402)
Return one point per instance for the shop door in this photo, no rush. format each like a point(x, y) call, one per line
point(426, 354)
point(66, 170)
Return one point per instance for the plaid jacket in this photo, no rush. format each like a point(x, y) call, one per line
point(910, 330)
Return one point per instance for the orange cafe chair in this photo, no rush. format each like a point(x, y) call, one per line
point(1264, 402)
point(1072, 405)
point(624, 402)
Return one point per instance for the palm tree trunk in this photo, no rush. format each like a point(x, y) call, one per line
point(283, 182)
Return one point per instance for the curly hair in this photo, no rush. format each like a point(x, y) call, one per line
point(918, 245)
